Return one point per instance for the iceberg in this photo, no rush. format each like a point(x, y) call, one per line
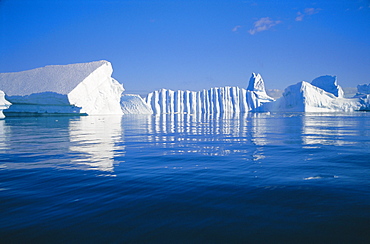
point(79, 89)
point(215, 100)
point(305, 97)
point(4, 104)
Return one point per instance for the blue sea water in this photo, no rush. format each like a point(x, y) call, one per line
point(248, 178)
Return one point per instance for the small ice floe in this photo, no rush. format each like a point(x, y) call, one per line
point(320, 177)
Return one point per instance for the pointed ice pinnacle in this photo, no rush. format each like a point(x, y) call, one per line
point(256, 83)
point(257, 87)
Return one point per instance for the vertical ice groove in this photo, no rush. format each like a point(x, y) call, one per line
point(243, 100)
point(171, 101)
point(193, 102)
point(235, 99)
point(162, 100)
point(210, 99)
point(198, 102)
point(176, 102)
point(181, 101)
point(207, 103)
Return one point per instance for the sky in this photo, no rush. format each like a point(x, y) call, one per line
point(193, 44)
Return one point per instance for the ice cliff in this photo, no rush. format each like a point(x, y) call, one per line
point(215, 100)
point(85, 88)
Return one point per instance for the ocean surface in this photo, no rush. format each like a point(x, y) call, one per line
point(248, 178)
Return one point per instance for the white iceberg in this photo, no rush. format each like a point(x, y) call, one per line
point(305, 97)
point(215, 100)
point(85, 88)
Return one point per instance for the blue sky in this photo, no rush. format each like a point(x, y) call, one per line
point(192, 44)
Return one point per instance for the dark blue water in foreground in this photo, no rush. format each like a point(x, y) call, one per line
point(254, 178)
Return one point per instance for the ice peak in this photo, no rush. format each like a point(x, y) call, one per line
point(257, 86)
point(256, 83)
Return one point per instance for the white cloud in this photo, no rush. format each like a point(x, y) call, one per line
point(299, 16)
point(236, 28)
point(263, 24)
point(306, 12)
point(311, 11)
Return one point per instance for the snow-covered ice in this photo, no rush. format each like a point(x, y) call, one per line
point(84, 88)
point(134, 104)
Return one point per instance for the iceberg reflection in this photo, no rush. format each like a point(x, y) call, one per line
point(60, 142)
point(3, 136)
point(94, 138)
point(328, 129)
point(98, 142)
point(208, 134)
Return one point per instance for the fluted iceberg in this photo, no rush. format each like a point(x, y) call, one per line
point(215, 100)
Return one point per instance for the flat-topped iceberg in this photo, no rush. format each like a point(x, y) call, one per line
point(84, 88)
point(215, 100)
